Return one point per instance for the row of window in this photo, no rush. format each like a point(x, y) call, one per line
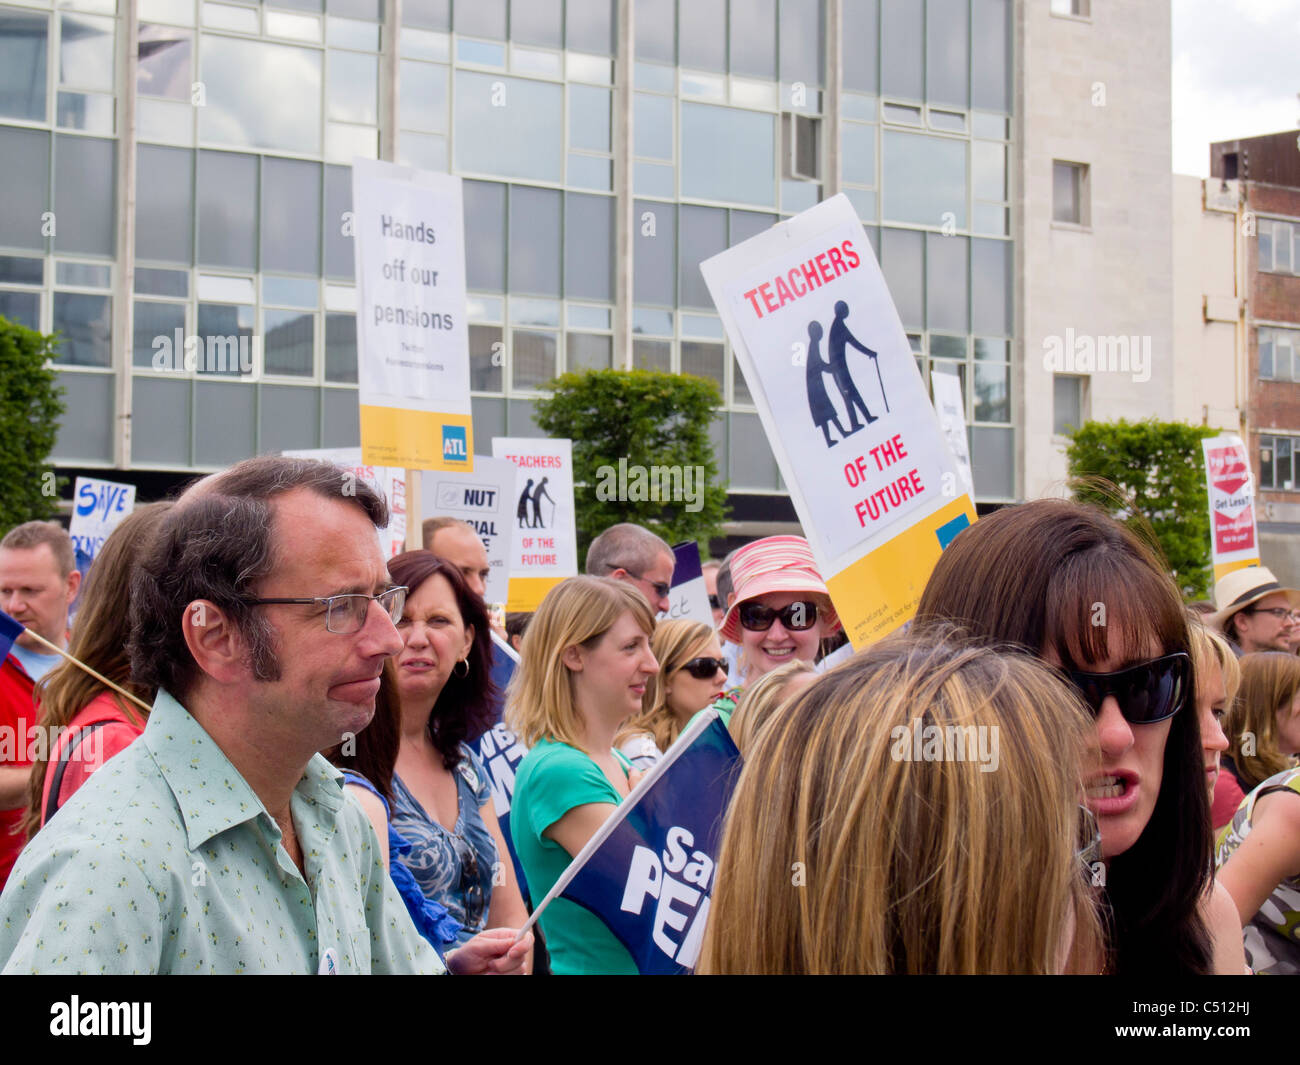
point(1278, 246)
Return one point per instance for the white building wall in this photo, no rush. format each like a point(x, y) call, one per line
point(1093, 90)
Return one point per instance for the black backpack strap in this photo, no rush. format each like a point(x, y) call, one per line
point(65, 756)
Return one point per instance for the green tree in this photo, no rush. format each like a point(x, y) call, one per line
point(1159, 468)
point(658, 425)
point(29, 422)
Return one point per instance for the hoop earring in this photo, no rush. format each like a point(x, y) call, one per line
point(463, 662)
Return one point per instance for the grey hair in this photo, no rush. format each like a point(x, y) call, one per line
point(625, 546)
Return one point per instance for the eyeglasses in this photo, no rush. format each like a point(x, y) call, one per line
point(346, 614)
point(1146, 693)
point(1280, 612)
point(797, 617)
point(715, 602)
point(471, 883)
point(704, 668)
point(661, 590)
point(1089, 849)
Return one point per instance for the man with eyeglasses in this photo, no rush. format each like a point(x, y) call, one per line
point(1254, 611)
point(221, 841)
point(631, 553)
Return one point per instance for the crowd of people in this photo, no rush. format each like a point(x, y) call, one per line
point(1058, 767)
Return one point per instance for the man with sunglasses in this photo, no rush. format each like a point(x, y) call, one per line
point(1254, 611)
point(221, 841)
point(634, 554)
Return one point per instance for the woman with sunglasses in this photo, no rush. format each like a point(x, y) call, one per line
point(692, 672)
point(1085, 594)
point(781, 612)
point(585, 667)
point(441, 797)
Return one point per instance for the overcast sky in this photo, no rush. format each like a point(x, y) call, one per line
point(1236, 72)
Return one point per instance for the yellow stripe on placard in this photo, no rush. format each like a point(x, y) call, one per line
point(416, 439)
point(1222, 569)
point(880, 591)
point(525, 594)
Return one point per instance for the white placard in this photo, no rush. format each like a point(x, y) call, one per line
point(389, 481)
point(97, 509)
point(486, 499)
point(546, 543)
point(951, 409)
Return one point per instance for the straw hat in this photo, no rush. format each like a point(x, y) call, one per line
point(1235, 591)
point(775, 564)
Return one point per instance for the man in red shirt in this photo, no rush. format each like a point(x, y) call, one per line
point(38, 582)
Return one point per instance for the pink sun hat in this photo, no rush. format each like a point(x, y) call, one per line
point(775, 564)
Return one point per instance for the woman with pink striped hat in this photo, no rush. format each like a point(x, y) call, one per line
point(781, 612)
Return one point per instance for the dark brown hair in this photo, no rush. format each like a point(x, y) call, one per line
point(373, 751)
point(1060, 575)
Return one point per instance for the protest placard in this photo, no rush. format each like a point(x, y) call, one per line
point(871, 476)
point(950, 406)
point(689, 596)
point(412, 339)
point(389, 481)
point(97, 509)
point(546, 543)
point(1234, 543)
point(486, 500)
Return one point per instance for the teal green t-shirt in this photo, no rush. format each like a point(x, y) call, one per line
point(551, 780)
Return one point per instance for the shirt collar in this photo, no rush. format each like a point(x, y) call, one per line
point(210, 792)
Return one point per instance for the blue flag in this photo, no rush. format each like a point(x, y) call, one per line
point(10, 630)
point(650, 880)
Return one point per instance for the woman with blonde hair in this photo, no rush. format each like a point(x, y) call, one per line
point(1263, 725)
point(764, 697)
point(585, 667)
point(1218, 677)
point(916, 810)
point(90, 720)
point(692, 673)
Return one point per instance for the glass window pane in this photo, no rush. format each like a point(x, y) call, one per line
point(1066, 193)
point(589, 247)
point(802, 36)
point(753, 37)
point(85, 430)
point(431, 14)
point(703, 235)
point(341, 418)
point(164, 62)
point(295, 27)
point(703, 34)
point(654, 253)
point(740, 393)
point(289, 342)
point(160, 421)
point(991, 287)
point(589, 26)
point(422, 44)
point(1265, 352)
point(656, 30)
point(291, 213)
point(862, 26)
point(992, 459)
point(226, 332)
point(704, 360)
point(486, 358)
point(992, 392)
point(157, 328)
point(535, 61)
point(989, 167)
point(752, 462)
point(353, 88)
point(84, 180)
point(341, 347)
point(947, 52)
point(535, 241)
point(86, 322)
point(585, 351)
point(86, 111)
point(652, 123)
point(902, 48)
point(1067, 404)
point(858, 153)
point(1265, 249)
point(227, 210)
point(990, 54)
point(536, 22)
point(589, 118)
point(505, 126)
point(946, 283)
point(21, 307)
point(534, 358)
point(746, 224)
point(23, 46)
point(86, 51)
point(1282, 247)
point(224, 423)
point(728, 154)
point(261, 95)
point(289, 418)
point(423, 99)
point(593, 172)
point(21, 270)
point(1286, 367)
point(338, 202)
point(654, 355)
point(901, 260)
point(485, 235)
point(1266, 462)
point(924, 179)
point(1282, 456)
point(482, 18)
point(654, 179)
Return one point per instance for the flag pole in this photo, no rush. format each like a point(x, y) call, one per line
point(82, 665)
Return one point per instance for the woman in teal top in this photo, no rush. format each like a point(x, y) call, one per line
point(586, 660)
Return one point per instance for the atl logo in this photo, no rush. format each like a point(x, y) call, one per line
point(454, 444)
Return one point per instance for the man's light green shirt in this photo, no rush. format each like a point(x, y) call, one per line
point(165, 861)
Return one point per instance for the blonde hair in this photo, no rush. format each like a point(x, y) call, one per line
point(578, 610)
point(841, 854)
point(1211, 650)
point(1269, 682)
point(761, 700)
point(674, 643)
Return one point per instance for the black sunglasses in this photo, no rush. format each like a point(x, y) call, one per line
point(797, 617)
point(704, 668)
point(1146, 693)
